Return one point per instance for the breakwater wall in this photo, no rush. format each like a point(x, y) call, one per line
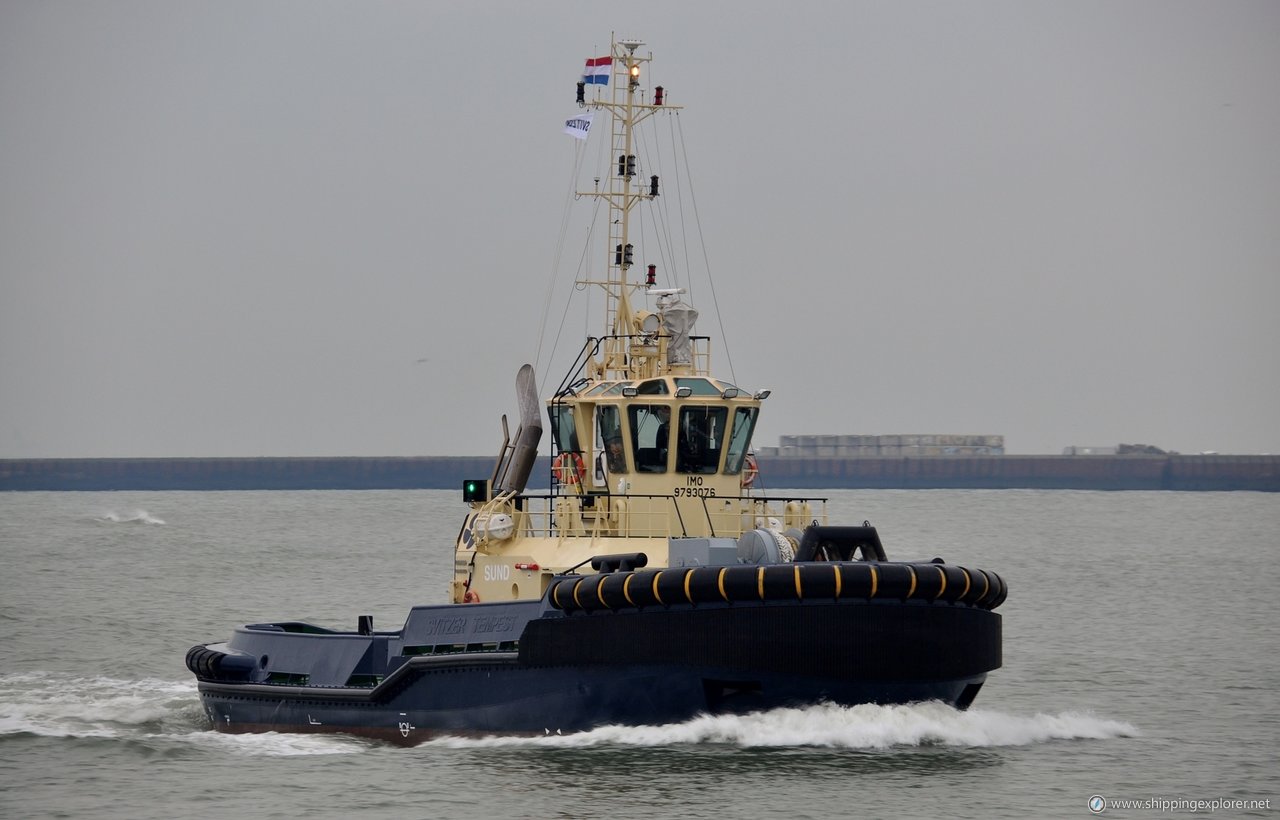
point(319, 473)
point(1128, 472)
point(1093, 472)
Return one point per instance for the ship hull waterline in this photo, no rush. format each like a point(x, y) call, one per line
point(567, 701)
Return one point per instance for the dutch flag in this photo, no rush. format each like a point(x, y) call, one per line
point(598, 70)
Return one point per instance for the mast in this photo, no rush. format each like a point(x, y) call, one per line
point(631, 346)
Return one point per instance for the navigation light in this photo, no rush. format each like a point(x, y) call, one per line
point(475, 490)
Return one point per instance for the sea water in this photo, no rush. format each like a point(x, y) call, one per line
point(1141, 656)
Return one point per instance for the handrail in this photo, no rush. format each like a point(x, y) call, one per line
point(657, 516)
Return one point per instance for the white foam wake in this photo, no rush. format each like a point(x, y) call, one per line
point(59, 705)
point(849, 727)
point(66, 706)
point(274, 744)
point(133, 517)
point(154, 711)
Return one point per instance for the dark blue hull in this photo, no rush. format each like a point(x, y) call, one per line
point(533, 667)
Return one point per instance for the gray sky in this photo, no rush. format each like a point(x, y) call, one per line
point(320, 228)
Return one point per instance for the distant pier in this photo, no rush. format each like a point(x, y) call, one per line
point(1002, 472)
point(1073, 472)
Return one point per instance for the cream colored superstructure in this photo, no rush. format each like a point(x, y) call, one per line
point(648, 446)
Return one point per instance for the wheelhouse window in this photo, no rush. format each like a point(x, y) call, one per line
point(650, 436)
point(609, 424)
point(562, 428)
point(698, 387)
point(744, 422)
point(700, 438)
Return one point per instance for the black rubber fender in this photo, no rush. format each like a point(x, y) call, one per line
point(234, 667)
point(779, 582)
point(819, 581)
point(980, 588)
point(895, 581)
point(610, 590)
point(589, 597)
point(641, 589)
point(670, 583)
point(562, 594)
point(929, 581)
point(206, 663)
point(998, 591)
point(192, 654)
point(957, 583)
point(789, 582)
point(739, 583)
point(858, 580)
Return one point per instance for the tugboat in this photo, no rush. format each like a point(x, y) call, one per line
point(652, 582)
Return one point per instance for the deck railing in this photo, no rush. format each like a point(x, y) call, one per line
point(661, 516)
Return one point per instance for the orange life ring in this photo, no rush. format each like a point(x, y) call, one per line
point(569, 468)
point(471, 597)
point(749, 471)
